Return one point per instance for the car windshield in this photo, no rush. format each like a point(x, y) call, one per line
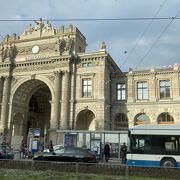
point(59, 150)
point(5, 148)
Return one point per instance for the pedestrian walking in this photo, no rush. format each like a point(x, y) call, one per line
point(107, 152)
point(22, 149)
point(123, 153)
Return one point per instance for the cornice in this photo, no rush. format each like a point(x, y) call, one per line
point(36, 65)
point(153, 73)
point(91, 57)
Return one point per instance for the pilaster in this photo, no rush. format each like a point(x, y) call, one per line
point(65, 102)
point(1, 92)
point(5, 105)
point(130, 89)
point(57, 82)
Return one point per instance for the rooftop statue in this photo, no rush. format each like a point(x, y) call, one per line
point(39, 25)
point(47, 27)
point(69, 42)
point(103, 45)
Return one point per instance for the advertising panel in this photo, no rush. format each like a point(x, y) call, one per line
point(70, 140)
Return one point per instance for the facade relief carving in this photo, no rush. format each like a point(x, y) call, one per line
point(69, 43)
point(33, 76)
point(51, 78)
point(14, 81)
point(60, 43)
point(7, 52)
point(64, 45)
point(57, 73)
point(43, 48)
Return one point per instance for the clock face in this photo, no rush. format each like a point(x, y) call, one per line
point(35, 49)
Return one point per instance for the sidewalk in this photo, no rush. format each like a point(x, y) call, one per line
point(112, 160)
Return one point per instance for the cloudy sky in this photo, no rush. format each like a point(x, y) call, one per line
point(135, 44)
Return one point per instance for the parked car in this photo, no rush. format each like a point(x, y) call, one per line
point(46, 150)
point(68, 154)
point(6, 152)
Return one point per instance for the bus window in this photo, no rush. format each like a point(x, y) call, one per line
point(171, 144)
point(138, 144)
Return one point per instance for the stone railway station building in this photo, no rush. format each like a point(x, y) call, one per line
point(49, 81)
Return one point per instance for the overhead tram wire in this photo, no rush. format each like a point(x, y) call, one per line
point(94, 19)
point(156, 41)
point(144, 32)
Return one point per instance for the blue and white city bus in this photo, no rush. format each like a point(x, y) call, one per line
point(154, 145)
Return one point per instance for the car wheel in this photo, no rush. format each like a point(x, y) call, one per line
point(41, 158)
point(168, 163)
point(79, 160)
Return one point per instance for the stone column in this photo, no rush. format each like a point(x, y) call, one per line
point(5, 105)
point(72, 96)
point(57, 99)
point(55, 108)
point(65, 103)
point(1, 92)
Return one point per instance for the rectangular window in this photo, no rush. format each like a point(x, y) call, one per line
point(84, 65)
point(89, 64)
point(86, 87)
point(142, 90)
point(164, 89)
point(121, 91)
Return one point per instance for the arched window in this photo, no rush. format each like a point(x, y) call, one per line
point(165, 118)
point(141, 118)
point(121, 122)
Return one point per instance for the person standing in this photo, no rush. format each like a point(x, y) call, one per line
point(107, 152)
point(51, 146)
point(22, 149)
point(123, 153)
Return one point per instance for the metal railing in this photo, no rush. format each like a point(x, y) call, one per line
point(110, 169)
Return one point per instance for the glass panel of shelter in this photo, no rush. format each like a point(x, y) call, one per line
point(97, 140)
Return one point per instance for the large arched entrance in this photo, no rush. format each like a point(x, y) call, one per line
point(85, 120)
point(31, 108)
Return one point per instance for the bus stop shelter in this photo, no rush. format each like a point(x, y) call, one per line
point(93, 140)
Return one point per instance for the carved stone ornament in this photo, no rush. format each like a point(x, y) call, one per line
point(14, 81)
point(51, 78)
point(7, 52)
point(33, 76)
point(40, 26)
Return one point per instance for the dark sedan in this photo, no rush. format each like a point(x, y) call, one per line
point(68, 154)
point(6, 152)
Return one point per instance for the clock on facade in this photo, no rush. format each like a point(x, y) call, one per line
point(35, 49)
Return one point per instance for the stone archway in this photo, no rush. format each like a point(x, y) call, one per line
point(32, 100)
point(86, 120)
point(17, 124)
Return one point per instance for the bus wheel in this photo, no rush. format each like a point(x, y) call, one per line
point(168, 163)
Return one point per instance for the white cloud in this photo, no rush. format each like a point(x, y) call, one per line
point(119, 36)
